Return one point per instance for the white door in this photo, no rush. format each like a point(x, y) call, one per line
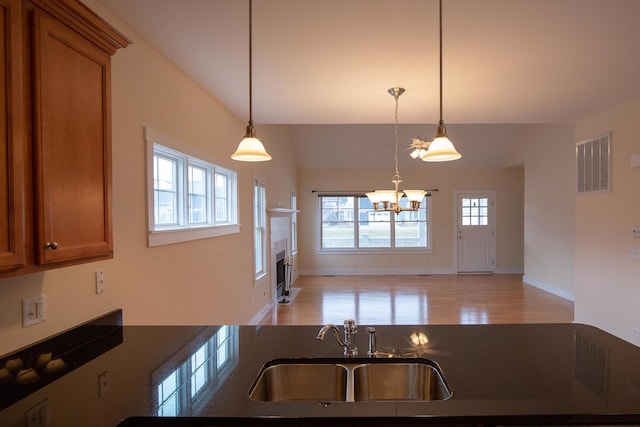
point(476, 232)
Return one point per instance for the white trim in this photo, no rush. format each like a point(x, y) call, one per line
point(493, 218)
point(548, 288)
point(261, 314)
point(376, 271)
point(509, 270)
point(157, 236)
point(167, 237)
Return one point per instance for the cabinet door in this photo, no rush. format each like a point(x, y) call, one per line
point(12, 155)
point(72, 144)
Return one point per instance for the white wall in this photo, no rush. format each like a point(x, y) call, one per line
point(508, 182)
point(548, 155)
point(201, 282)
point(607, 281)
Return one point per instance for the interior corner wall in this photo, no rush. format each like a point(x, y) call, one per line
point(607, 279)
point(547, 152)
point(208, 281)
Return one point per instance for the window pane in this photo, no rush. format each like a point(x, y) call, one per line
point(411, 226)
point(165, 188)
point(221, 198)
point(224, 345)
point(260, 230)
point(374, 228)
point(338, 222)
point(197, 183)
point(257, 241)
point(168, 395)
point(475, 211)
point(198, 370)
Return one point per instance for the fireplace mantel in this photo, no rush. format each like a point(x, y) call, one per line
point(282, 211)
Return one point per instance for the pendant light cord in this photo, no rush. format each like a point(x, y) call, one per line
point(441, 121)
point(251, 65)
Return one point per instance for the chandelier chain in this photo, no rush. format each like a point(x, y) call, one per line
point(396, 95)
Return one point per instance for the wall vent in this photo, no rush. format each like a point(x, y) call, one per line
point(594, 164)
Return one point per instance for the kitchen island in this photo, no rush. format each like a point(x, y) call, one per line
point(103, 374)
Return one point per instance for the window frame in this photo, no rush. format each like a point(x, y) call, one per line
point(393, 224)
point(220, 346)
point(294, 223)
point(260, 228)
point(160, 145)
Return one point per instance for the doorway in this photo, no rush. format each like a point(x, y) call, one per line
point(475, 231)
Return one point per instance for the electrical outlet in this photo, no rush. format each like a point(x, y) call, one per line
point(635, 231)
point(103, 384)
point(34, 310)
point(101, 284)
point(634, 253)
point(635, 332)
point(38, 416)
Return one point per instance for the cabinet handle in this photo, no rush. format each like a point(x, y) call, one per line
point(51, 245)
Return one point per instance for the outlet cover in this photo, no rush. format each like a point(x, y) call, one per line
point(38, 416)
point(34, 310)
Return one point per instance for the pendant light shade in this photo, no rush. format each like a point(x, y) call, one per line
point(250, 148)
point(441, 148)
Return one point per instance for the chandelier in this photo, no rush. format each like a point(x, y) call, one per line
point(441, 149)
point(389, 200)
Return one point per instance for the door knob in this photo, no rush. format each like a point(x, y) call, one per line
point(51, 245)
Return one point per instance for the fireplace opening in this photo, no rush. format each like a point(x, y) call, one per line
point(282, 294)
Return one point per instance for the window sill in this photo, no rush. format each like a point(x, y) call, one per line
point(168, 237)
point(384, 251)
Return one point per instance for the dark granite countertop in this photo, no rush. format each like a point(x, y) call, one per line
point(499, 374)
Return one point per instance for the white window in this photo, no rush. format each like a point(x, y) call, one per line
point(189, 198)
point(351, 223)
point(186, 382)
point(260, 229)
point(294, 224)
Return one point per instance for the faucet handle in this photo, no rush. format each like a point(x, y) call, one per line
point(350, 325)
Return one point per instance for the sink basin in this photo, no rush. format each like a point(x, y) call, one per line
point(398, 381)
point(286, 380)
point(350, 380)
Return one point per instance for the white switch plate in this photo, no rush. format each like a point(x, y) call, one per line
point(103, 384)
point(38, 416)
point(634, 253)
point(635, 231)
point(100, 282)
point(34, 310)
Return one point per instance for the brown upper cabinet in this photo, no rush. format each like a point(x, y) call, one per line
point(55, 148)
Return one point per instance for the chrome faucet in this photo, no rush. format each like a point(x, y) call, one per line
point(349, 342)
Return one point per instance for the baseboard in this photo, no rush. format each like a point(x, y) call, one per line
point(374, 272)
point(260, 315)
point(548, 288)
point(391, 271)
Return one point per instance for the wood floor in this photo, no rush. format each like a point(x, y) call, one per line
point(406, 300)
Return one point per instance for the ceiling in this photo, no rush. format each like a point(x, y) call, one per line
point(332, 61)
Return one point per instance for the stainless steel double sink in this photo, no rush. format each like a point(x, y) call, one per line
point(350, 380)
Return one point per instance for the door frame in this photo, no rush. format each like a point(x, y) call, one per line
point(493, 221)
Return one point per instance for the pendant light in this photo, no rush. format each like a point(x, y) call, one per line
point(389, 200)
point(250, 148)
point(441, 148)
